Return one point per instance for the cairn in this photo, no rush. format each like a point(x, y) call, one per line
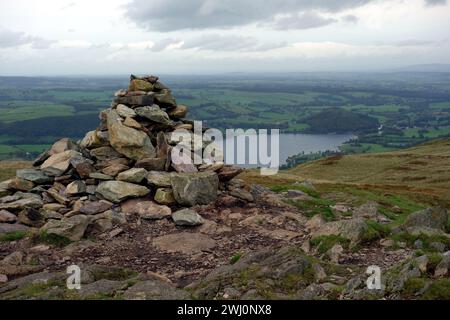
point(123, 167)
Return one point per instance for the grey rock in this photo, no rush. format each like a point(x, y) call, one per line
point(355, 230)
point(96, 207)
point(194, 188)
point(146, 209)
point(100, 176)
point(153, 113)
point(434, 218)
point(159, 178)
point(187, 217)
point(9, 227)
point(72, 228)
point(103, 287)
point(75, 187)
point(7, 217)
point(117, 191)
point(34, 175)
point(132, 143)
point(134, 175)
point(124, 111)
point(58, 163)
point(154, 290)
point(184, 242)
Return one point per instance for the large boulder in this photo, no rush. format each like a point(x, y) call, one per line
point(430, 218)
point(72, 228)
point(132, 143)
point(194, 188)
point(117, 191)
point(356, 230)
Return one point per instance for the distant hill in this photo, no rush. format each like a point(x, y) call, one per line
point(425, 68)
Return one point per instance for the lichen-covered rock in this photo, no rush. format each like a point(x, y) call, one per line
point(140, 85)
point(153, 113)
point(165, 196)
point(72, 228)
point(34, 175)
point(194, 188)
point(159, 178)
point(134, 175)
point(117, 191)
point(433, 218)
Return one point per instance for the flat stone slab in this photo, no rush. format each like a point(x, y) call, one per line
point(185, 242)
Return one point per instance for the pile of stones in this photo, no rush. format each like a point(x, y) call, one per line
point(124, 167)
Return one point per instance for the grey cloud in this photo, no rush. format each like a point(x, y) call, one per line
point(9, 39)
point(216, 42)
point(171, 15)
point(432, 3)
point(350, 18)
point(414, 43)
point(306, 20)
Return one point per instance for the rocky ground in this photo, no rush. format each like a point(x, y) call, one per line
point(261, 249)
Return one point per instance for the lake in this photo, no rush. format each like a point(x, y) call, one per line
point(292, 144)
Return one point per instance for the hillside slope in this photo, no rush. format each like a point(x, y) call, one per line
point(424, 169)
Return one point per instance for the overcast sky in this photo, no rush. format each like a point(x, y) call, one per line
point(112, 37)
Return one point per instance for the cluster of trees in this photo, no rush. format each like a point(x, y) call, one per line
point(38, 130)
point(340, 121)
point(300, 158)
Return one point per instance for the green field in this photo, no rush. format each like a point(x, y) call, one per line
point(34, 111)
